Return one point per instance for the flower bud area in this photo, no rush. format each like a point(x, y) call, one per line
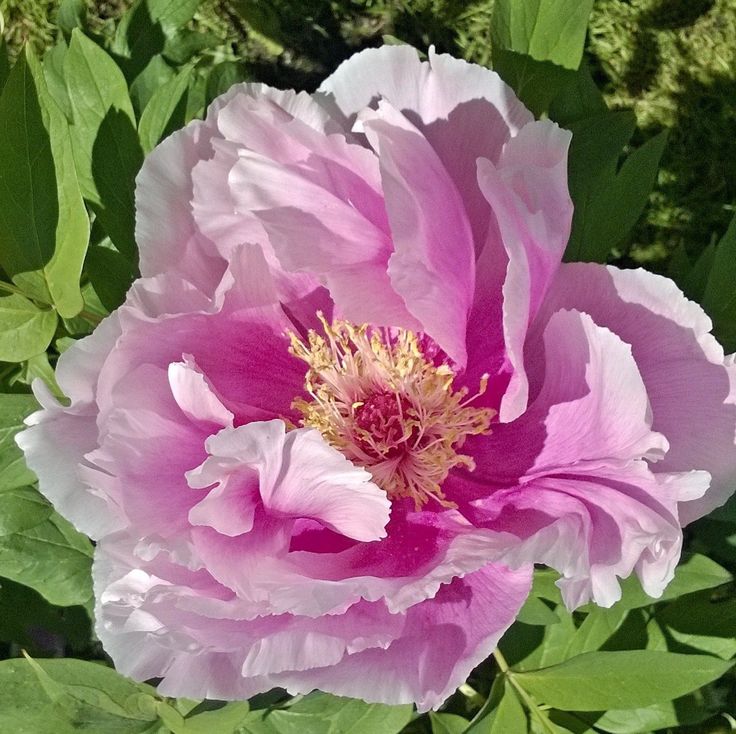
point(378, 398)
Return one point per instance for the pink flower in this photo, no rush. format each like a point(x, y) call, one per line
point(356, 395)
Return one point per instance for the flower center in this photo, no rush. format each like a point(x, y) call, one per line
point(378, 398)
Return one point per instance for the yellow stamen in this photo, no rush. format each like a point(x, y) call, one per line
point(377, 398)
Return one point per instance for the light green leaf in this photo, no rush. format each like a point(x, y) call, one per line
point(596, 628)
point(43, 223)
point(25, 329)
point(546, 30)
point(65, 696)
point(320, 713)
point(106, 148)
point(152, 78)
point(505, 713)
point(165, 110)
point(227, 718)
point(598, 681)
point(447, 723)
point(13, 410)
point(536, 612)
point(53, 70)
point(52, 558)
point(38, 367)
point(72, 14)
point(683, 711)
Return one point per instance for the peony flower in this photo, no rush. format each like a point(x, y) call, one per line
point(356, 396)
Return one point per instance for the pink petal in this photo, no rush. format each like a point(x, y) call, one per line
point(432, 264)
point(195, 396)
point(465, 111)
point(527, 191)
point(689, 384)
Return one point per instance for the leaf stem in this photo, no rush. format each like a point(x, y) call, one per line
point(526, 698)
point(93, 318)
point(11, 288)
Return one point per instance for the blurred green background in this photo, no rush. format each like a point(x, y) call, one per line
point(672, 61)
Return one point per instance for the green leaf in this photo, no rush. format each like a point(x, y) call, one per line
point(320, 713)
point(535, 82)
point(53, 70)
point(165, 111)
point(43, 223)
point(578, 98)
point(65, 696)
point(4, 62)
point(42, 628)
point(608, 199)
point(546, 30)
point(227, 718)
point(503, 713)
point(719, 299)
point(22, 508)
point(596, 628)
point(38, 367)
point(223, 76)
point(72, 14)
point(143, 30)
point(13, 410)
point(152, 78)
point(536, 612)
point(25, 329)
point(106, 148)
point(447, 723)
point(52, 558)
point(110, 273)
point(598, 681)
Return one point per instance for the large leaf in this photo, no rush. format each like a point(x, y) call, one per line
point(598, 681)
point(546, 30)
point(52, 558)
point(13, 470)
point(25, 329)
point(43, 223)
point(106, 148)
point(22, 508)
point(65, 696)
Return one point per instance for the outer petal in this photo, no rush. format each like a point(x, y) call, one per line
point(465, 111)
point(445, 638)
point(691, 388)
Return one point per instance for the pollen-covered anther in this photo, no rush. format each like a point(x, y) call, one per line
point(377, 397)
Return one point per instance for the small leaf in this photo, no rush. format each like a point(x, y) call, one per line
point(226, 718)
point(598, 681)
point(25, 329)
point(596, 628)
point(719, 298)
point(152, 78)
point(536, 612)
point(72, 14)
point(165, 111)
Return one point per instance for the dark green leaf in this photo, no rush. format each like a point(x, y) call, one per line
point(536, 612)
point(65, 696)
point(546, 30)
point(25, 329)
point(185, 44)
point(223, 76)
point(578, 98)
point(719, 299)
point(608, 200)
point(165, 111)
point(52, 558)
point(152, 78)
point(596, 628)
point(4, 62)
point(110, 273)
point(598, 681)
point(683, 711)
point(43, 223)
point(106, 149)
